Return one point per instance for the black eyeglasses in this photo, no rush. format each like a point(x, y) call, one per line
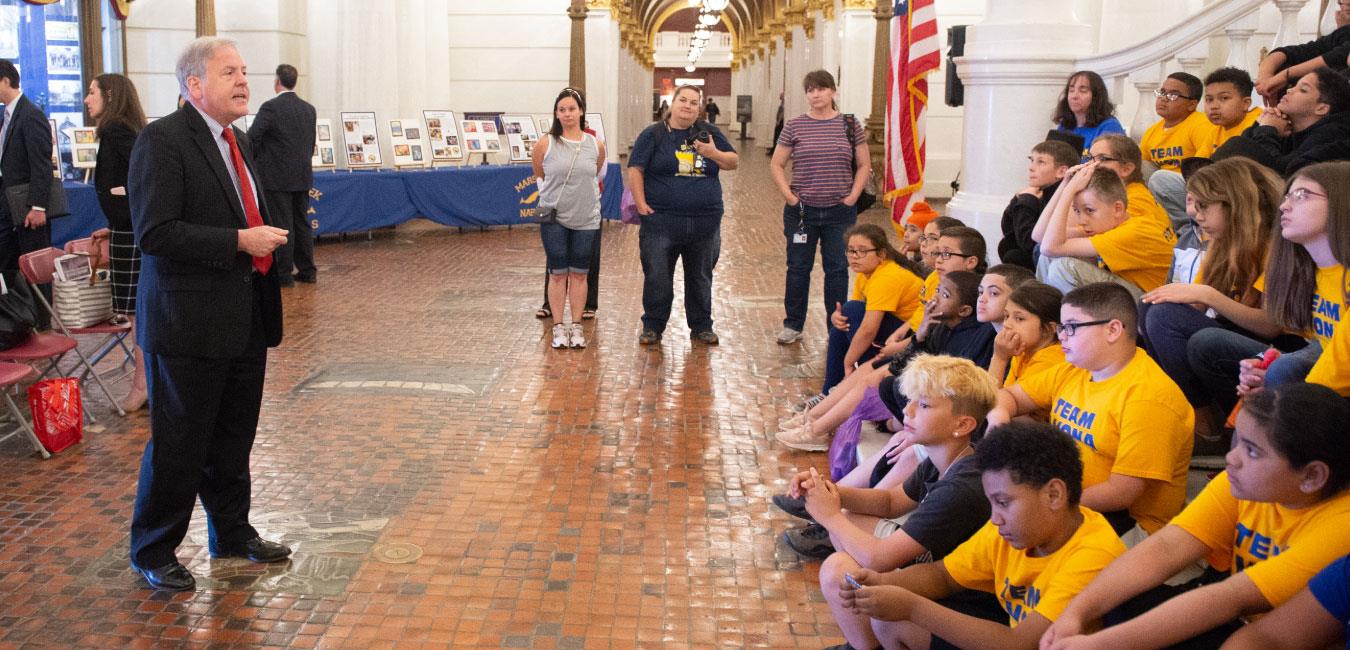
point(1103, 158)
point(860, 252)
point(946, 255)
point(1170, 95)
point(1069, 329)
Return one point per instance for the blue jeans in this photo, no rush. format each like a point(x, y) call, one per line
point(1167, 328)
point(826, 226)
point(1214, 354)
point(854, 310)
point(664, 238)
point(567, 250)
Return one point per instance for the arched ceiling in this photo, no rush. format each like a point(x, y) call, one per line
point(754, 24)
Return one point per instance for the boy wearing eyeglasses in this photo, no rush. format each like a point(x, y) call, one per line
point(1132, 424)
point(1106, 243)
point(1182, 132)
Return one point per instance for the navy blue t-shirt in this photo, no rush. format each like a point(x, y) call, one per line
point(1331, 588)
point(677, 180)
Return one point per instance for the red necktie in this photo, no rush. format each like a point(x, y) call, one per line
point(262, 264)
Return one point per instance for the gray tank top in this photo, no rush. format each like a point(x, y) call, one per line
point(577, 197)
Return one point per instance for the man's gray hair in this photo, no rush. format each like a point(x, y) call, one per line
point(192, 62)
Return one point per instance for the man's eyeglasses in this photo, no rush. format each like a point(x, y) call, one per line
point(1103, 158)
point(946, 255)
point(1301, 194)
point(1069, 329)
point(860, 252)
point(1170, 95)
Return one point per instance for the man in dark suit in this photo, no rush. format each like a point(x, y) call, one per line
point(282, 136)
point(208, 307)
point(25, 159)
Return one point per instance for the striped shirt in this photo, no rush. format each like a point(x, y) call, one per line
point(822, 158)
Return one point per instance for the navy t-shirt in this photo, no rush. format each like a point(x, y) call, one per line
point(677, 180)
point(1331, 588)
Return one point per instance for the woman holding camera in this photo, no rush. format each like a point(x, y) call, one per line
point(116, 108)
point(830, 168)
point(672, 174)
point(566, 164)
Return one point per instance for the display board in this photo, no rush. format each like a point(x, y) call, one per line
point(405, 136)
point(359, 134)
point(596, 123)
point(480, 136)
point(443, 135)
point(324, 154)
point(521, 136)
point(83, 147)
point(545, 122)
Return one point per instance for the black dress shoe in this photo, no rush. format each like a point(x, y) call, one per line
point(307, 278)
point(255, 550)
point(286, 282)
point(170, 577)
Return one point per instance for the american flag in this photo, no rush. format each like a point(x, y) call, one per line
point(914, 54)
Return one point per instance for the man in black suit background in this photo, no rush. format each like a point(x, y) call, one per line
point(282, 136)
point(208, 307)
point(25, 159)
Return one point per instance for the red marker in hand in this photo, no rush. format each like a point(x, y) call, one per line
point(1268, 357)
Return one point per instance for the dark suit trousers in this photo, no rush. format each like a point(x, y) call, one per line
point(203, 417)
point(291, 211)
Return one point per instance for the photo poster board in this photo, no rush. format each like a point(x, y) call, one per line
point(83, 147)
point(480, 136)
point(545, 123)
point(359, 134)
point(443, 135)
point(521, 136)
point(325, 154)
point(596, 123)
point(405, 136)
point(56, 151)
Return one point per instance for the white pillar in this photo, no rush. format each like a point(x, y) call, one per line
point(603, 75)
point(857, 28)
point(1288, 32)
point(1008, 98)
point(1145, 81)
point(794, 68)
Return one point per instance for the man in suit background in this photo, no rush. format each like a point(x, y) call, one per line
point(282, 136)
point(25, 159)
point(208, 307)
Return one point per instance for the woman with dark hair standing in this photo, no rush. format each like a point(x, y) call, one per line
point(114, 105)
point(566, 164)
point(672, 173)
point(822, 197)
point(1086, 109)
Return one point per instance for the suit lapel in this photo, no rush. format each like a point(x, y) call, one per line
point(201, 135)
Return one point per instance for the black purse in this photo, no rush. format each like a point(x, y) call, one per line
point(18, 311)
point(868, 197)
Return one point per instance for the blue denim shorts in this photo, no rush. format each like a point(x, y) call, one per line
point(567, 250)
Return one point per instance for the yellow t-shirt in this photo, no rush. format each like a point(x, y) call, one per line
point(891, 288)
point(1219, 135)
point(1137, 250)
point(1333, 366)
point(926, 293)
point(1167, 147)
point(1136, 423)
point(1025, 584)
point(1042, 360)
point(1278, 548)
point(1328, 302)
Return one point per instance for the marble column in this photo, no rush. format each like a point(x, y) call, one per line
point(206, 18)
point(1014, 68)
point(876, 122)
point(608, 82)
point(576, 74)
point(857, 27)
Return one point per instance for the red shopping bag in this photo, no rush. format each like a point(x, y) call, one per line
point(58, 416)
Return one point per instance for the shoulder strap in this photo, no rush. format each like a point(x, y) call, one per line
point(848, 132)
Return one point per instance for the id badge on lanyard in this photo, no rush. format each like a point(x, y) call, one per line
point(800, 236)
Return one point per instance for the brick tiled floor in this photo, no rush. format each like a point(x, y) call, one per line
point(524, 497)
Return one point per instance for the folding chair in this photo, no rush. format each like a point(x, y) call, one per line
point(10, 376)
point(117, 335)
point(38, 268)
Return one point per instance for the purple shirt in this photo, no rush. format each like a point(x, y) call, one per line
point(822, 158)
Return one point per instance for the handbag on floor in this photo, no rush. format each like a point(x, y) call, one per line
point(58, 416)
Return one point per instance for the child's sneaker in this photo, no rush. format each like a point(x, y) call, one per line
point(575, 338)
point(560, 336)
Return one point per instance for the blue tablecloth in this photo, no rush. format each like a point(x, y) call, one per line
point(495, 195)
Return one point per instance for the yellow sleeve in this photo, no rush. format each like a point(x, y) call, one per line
point(1154, 435)
point(1042, 387)
point(971, 564)
point(884, 289)
point(1212, 518)
point(1333, 366)
point(1077, 570)
point(1136, 252)
point(1281, 576)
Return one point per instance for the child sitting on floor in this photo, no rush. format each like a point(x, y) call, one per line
point(997, 284)
point(1275, 518)
point(1004, 586)
point(1028, 343)
point(1049, 161)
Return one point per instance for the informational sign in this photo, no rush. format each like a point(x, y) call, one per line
point(480, 136)
point(596, 123)
point(359, 134)
point(405, 136)
point(521, 135)
point(324, 154)
point(83, 147)
point(443, 135)
point(545, 122)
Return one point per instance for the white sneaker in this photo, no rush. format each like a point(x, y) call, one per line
point(576, 339)
point(559, 336)
point(804, 439)
point(788, 336)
